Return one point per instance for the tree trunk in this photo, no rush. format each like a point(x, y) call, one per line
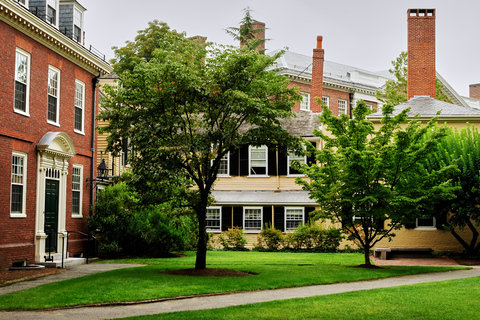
point(366, 252)
point(201, 261)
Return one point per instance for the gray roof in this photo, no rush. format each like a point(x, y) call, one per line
point(302, 125)
point(262, 198)
point(428, 107)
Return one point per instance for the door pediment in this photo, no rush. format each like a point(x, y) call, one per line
point(57, 144)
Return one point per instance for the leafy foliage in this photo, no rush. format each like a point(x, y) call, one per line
point(186, 105)
point(233, 239)
point(395, 91)
point(312, 237)
point(246, 34)
point(269, 239)
point(362, 173)
point(126, 228)
point(460, 148)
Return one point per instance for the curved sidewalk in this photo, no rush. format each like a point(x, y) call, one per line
point(220, 301)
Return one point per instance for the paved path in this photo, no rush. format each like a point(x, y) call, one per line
point(93, 313)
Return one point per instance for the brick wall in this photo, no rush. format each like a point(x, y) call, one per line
point(317, 76)
point(421, 53)
point(475, 91)
point(334, 96)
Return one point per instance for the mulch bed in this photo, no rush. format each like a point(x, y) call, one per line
point(210, 272)
point(8, 277)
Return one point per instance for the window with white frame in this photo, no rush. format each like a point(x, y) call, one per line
point(294, 217)
point(425, 222)
point(77, 25)
point(79, 106)
point(326, 101)
point(369, 106)
point(258, 160)
point(52, 12)
point(53, 95)
point(18, 185)
point(223, 168)
point(22, 81)
point(77, 174)
point(342, 106)
point(252, 219)
point(305, 103)
point(23, 2)
point(294, 159)
point(214, 219)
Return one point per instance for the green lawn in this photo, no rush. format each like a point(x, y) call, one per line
point(454, 299)
point(274, 270)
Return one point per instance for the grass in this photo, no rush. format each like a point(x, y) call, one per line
point(453, 299)
point(274, 270)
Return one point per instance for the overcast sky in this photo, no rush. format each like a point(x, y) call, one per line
point(366, 34)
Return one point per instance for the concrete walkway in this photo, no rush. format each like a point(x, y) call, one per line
point(220, 301)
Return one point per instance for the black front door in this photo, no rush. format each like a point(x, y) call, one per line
point(51, 215)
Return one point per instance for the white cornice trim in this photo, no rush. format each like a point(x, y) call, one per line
point(26, 22)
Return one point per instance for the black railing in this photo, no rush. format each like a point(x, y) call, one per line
point(92, 246)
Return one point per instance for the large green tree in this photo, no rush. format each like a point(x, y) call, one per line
point(395, 91)
point(187, 106)
point(361, 180)
point(462, 149)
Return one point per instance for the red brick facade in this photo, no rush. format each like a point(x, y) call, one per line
point(421, 53)
point(22, 133)
point(475, 91)
point(317, 76)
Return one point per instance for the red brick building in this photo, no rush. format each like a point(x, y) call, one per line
point(47, 108)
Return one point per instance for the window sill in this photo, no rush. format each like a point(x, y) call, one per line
point(214, 231)
point(79, 132)
point(252, 231)
point(53, 123)
point(23, 113)
point(223, 176)
point(77, 216)
point(18, 215)
point(425, 228)
point(258, 176)
point(295, 175)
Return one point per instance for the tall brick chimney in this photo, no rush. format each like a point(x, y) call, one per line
point(260, 35)
point(317, 76)
point(421, 53)
point(475, 91)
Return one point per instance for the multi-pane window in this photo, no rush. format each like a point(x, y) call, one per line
point(326, 101)
point(369, 106)
point(293, 218)
point(223, 166)
point(213, 220)
point(77, 25)
point(22, 81)
point(258, 160)
point(294, 160)
point(77, 190)
point(24, 2)
point(52, 12)
point(305, 103)
point(18, 184)
point(342, 106)
point(79, 105)
point(252, 219)
point(53, 94)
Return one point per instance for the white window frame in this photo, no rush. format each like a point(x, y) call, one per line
point(80, 105)
point(225, 159)
point(252, 229)
point(54, 5)
point(326, 100)
point(215, 229)
point(23, 3)
point(78, 22)
point(305, 103)
point(79, 190)
point(344, 102)
point(301, 221)
point(250, 166)
point(23, 212)
point(431, 227)
point(369, 106)
point(54, 91)
point(26, 82)
point(292, 157)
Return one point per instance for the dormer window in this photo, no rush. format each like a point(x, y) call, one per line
point(77, 25)
point(23, 2)
point(71, 19)
point(52, 12)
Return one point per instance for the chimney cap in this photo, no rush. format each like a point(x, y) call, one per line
point(421, 12)
point(319, 42)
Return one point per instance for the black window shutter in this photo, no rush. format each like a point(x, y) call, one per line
point(311, 158)
point(243, 161)
point(238, 217)
point(411, 225)
point(307, 213)
point(272, 161)
point(282, 162)
point(267, 217)
point(226, 218)
point(279, 218)
point(440, 221)
point(234, 158)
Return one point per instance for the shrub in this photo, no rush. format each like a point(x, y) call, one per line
point(312, 237)
point(233, 239)
point(126, 228)
point(269, 239)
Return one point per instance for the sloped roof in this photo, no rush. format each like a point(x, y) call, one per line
point(262, 198)
point(428, 107)
point(302, 125)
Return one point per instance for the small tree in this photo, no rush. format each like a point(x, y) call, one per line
point(462, 149)
point(395, 91)
point(246, 34)
point(361, 176)
point(186, 107)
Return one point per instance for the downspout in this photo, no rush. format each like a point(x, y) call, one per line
point(94, 154)
point(351, 104)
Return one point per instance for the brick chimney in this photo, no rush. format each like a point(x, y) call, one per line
point(475, 91)
point(317, 76)
point(260, 35)
point(421, 53)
